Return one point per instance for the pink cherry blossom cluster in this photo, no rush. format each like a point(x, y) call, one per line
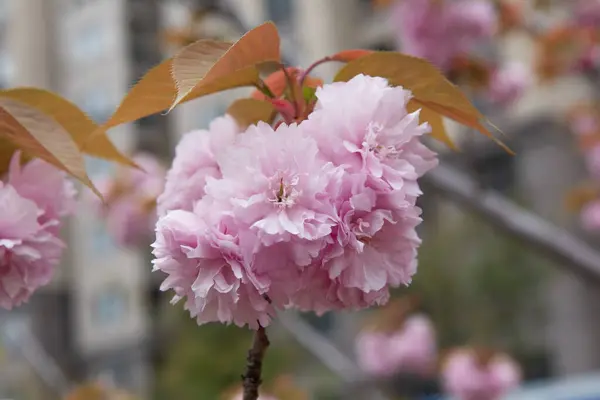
point(465, 377)
point(412, 349)
point(130, 195)
point(440, 30)
point(34, 199)
point(319, 215)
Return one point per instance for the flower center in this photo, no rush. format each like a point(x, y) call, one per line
point(372, 144)
point(358, 228)
point(285, 194)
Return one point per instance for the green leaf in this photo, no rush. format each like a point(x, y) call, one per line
point(309, 93)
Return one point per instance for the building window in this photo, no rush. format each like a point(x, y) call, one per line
point(102, 241)
point(280, 11)
point(89, 44)
point(210, 112)
point(110, 306)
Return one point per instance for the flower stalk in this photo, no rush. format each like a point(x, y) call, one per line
point(252, 377)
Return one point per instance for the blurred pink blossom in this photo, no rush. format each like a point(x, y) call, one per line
point(590, 216)
point(587, 12)
point(319, 215)
point(130, 212)
point(412, 349)
point(465, 377)
point(592, 158)
point(33, 200)
point(585, 124)
point(48, 187)
point(588, 60)
point(441, 30)
point(508, 83)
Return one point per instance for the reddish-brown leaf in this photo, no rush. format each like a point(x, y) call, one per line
point(429, 86)
point(39, 135)
point(436, 121)
point(206, 62)
point(156, 91)
point(77, 123)
point(350, 55)
point(250, 111)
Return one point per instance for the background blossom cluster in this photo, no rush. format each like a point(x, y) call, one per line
point(320, 215)
point(468, 376)
point(34, 199)
point(411, 349)
point(401, 341)
point(130, 196)
point(439, 31)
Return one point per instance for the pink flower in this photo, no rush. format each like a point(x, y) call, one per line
point(590, 216)
point(363, 125)
point(412, 349)
point(320, 215)
point(150, 180)
point(585, 124)
point(204, 263)
point(587, 12)
point(442, 30)
point(508, 83)
point(588, 59)
point(273, 204)
point(319, 293)
point(32, 202)
point(129, 222)
point(592, 158)
point(131, 196)
point(47, 186)
point(28, 251)
point(467, 378)
point(194, 162)
point(278, 184)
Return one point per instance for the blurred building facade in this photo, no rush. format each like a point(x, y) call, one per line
point(94, 317)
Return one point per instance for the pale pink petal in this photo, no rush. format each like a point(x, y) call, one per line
point(47, 186)
point(29, 252)
point(194, 162)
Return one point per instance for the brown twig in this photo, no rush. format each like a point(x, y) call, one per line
point(568, 250)
point(252, 376)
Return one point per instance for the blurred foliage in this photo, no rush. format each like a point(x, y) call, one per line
point(477, 284)
point(205, 361)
